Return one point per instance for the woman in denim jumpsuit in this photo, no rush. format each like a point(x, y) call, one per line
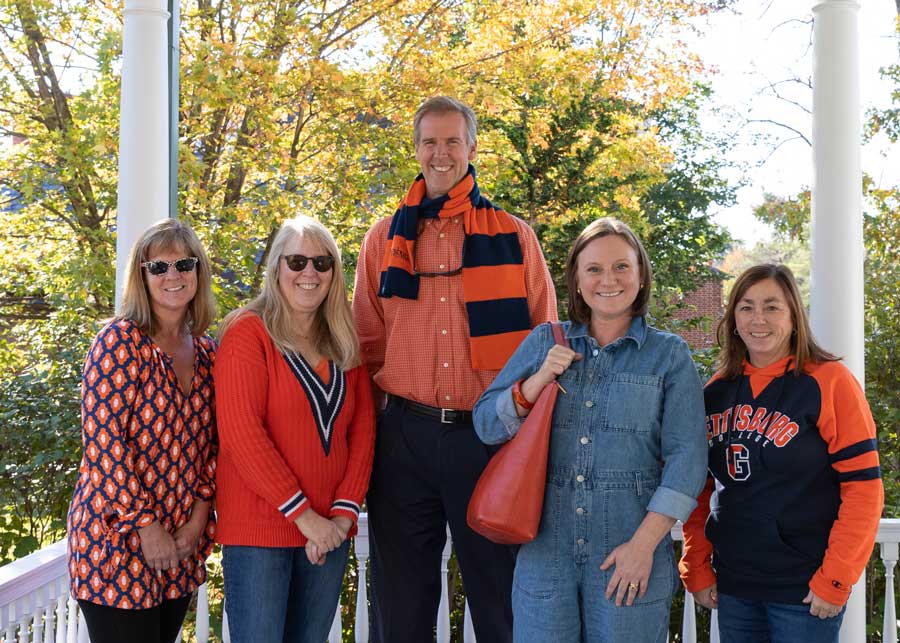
point(627, 453)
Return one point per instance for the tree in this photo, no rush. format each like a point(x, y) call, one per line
point(292, 106)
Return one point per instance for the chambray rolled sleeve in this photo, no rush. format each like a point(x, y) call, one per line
point(683, 438)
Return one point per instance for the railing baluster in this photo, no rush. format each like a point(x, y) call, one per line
point(22, 617)
point(61, 618)
point(443, 619)
point(8, 621)
point(50, 621)
point(689, 619)
point(468, 627)
point(37, 629)
point(72, 621)
point(334, 635)
point(226, 633)
point(83, 636)
point(362, 596)
point(202, 625)
point(889, 554)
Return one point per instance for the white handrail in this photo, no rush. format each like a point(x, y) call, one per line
point(35, 606)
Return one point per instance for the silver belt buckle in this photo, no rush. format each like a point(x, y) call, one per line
point(444, 419)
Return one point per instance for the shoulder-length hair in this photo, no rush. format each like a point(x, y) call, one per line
point(163, 236)
point(803, 345)
point(579, 311)
point(333, 333)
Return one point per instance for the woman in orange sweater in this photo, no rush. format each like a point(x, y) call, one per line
point(794, 464)
point(296, 424)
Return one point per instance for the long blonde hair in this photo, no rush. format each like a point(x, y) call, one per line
point(333, 333)
point(164, 235)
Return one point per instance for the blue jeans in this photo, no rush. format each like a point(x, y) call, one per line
point(744, 621)
point(275, 595)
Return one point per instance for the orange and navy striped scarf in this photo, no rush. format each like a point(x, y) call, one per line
point(493, 272)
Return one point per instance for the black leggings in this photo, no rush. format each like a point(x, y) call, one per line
point(159, 624)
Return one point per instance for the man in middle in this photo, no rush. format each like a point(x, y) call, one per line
point(446, 289)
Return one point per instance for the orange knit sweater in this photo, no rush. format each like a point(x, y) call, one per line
point(281, 452)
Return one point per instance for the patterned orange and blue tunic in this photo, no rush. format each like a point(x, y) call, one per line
point(149, 453)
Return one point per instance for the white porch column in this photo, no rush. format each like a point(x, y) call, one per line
point(836, 297)
point(143, 195)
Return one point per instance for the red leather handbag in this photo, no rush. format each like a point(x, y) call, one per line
point(507, 502)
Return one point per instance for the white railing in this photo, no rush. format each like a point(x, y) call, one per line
point(35, 606)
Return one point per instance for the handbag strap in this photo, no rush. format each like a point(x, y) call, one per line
point(558, 334)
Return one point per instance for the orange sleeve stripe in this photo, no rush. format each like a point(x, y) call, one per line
point(485, 283)
point(864, 461)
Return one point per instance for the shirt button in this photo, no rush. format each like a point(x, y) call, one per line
point(443, 299)
point(584, 440)
point(589, 404)
point(447, 397)
point(580, 511)
point(441, 235)
point(580, 541)
point(579, 478)
point(446, 365)
point(595, 352)
point(443, 331)
point(441, 266)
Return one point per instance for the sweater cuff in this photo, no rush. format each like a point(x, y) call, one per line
point(294, 506)
point(699, 578)
point(342, 507)
point(831, 590)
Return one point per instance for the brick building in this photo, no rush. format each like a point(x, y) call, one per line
point(706, 302)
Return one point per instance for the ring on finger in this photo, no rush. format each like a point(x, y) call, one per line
point(632, 587)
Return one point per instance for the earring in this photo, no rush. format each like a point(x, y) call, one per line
point(736, 334)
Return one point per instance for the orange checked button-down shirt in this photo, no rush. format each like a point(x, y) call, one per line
point(419, 349)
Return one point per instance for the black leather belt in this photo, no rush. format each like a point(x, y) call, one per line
point(446, 416)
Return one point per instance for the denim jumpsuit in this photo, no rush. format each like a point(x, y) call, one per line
point(628, 436)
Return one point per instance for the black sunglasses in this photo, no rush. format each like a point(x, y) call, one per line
point(157, 268)
point(322, 263)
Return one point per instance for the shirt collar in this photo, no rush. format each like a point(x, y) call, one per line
point(637, 331)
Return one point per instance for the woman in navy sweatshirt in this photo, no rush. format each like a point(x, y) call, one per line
point(794, 466)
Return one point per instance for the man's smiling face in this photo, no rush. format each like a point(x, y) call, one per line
point(443, 151)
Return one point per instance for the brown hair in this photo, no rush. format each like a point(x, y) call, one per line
point(578, 308)
point(333, 332)
point(442, 105)
point(803, 345)
point(164, 235)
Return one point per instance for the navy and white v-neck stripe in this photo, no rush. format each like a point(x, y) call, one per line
point(325, 400)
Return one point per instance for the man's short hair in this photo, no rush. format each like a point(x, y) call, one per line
point(443, 105)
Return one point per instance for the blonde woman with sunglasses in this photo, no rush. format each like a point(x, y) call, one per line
point(140, 526)
point(296, 422)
